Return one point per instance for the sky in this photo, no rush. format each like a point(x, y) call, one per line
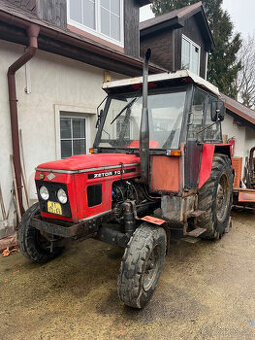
point(241, 13)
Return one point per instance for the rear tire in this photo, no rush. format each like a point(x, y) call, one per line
point(141, 265)
point(215, 198)
point(30, 241)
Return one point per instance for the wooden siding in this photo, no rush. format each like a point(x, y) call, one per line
point(162, 48)
point(29, 5)
point(131, 28)
point(53, 11)
point(192, 31)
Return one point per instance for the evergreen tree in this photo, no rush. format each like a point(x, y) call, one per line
point(223, 65)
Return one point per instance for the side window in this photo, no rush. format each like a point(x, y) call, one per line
point(213, 132)
point(201, 126)
point(199, 108)
point(72, 135)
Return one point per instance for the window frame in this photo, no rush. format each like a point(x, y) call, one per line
point(192, 43)
point(97, 31)
point(204, 118)
point(73, 116)
point(160, 151)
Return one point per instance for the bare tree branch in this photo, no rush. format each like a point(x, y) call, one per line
point(246, 76)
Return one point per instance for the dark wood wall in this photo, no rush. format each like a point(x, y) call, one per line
point(131, 28)
point(53, 11)
point(166, 45)
point(29, 5)
point(192, 31)
point(162, 48)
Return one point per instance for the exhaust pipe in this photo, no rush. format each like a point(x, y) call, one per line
point(144, 128)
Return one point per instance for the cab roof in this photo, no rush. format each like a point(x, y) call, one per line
point(114, 86)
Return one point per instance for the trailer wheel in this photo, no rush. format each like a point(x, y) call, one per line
point(30, 241)
point(215, 198)
point(141, 265)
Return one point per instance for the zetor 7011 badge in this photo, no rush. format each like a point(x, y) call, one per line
point(158, 166)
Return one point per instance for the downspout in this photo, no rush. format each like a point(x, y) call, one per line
point(32, 32)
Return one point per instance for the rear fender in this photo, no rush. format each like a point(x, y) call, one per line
point(207, 158)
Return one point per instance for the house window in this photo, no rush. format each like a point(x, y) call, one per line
point(103, 18)
point(72, 135)
point(190, 55)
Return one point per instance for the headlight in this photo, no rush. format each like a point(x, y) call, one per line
point(44, 193)
point(62, 196)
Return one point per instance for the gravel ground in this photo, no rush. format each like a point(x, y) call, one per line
point(206, 291)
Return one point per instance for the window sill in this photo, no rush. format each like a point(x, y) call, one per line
point(95, 38)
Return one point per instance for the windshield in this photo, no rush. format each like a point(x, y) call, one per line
point(122, 125)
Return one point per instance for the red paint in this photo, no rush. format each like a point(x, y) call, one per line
point(81, 162)
point(165, 173)
point(77, 183)
point(207, 159)
point(206, 163)
point(152, 145)
point(246, 196)
point(153, 220)
point(232, 143)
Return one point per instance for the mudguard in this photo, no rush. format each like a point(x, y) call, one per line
point(207, 159)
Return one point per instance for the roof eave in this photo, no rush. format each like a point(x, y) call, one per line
point(143, 2)
point(173, 23)
point(68, 44)
point(178, 22)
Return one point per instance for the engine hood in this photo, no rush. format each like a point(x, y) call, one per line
point(90, 162)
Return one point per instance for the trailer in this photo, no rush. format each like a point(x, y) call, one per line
point(244, 188)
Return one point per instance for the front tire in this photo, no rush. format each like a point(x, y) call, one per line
point(30, 241)
point(215, 198)
point(141, 265)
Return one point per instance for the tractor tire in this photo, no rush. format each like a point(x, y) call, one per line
point(30, 241)
point(141, 265)
point(215, 198)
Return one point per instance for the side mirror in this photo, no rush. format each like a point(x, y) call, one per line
point(217, 111)
point(222, 111)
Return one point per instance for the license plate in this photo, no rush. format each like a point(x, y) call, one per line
point(54, 208)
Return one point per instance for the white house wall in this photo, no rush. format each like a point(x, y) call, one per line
point(57, 84)
point(244, 137)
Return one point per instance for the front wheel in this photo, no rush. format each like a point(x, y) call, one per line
point(141, 265)
point(31, 242)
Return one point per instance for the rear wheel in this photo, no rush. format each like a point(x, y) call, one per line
point(141, 265)
point(31, 242)
point(215, 198)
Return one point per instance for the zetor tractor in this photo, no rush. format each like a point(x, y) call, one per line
point(158, 165)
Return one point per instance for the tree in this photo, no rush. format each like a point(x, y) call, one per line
point(223, 65)
point(246, 76)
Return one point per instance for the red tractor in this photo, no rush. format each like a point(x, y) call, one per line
point(158, 165)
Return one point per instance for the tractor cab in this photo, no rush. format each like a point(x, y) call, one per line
point(184, 114)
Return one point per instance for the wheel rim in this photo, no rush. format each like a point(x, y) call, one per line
point(151, 268)
point(222, 198)
point(42, 242)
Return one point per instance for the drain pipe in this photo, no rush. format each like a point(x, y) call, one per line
point(32, 32)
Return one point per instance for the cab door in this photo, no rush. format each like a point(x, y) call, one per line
point(194, 143)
